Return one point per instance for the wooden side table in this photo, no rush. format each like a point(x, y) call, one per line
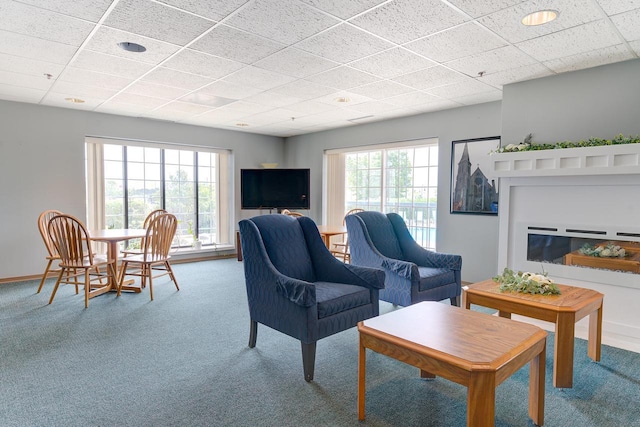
point(473, 349)
point(564, 310)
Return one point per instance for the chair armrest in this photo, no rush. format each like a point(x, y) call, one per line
point(405, 269)
point(440, 260)
point(368, 277)
point(297, 291)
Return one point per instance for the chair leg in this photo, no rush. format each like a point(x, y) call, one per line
point(308, 359)
point(150, 273)
point(253, 333)
point(55, 287)
point(171, 275)
point(87, 287)
point(44, 276)
point(455, 301)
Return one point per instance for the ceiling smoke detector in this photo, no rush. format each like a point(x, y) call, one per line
point(132, 47)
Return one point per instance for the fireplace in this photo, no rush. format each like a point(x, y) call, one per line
point(553, 202)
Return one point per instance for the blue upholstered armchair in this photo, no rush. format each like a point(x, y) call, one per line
point(413, 274)
point(295, 285)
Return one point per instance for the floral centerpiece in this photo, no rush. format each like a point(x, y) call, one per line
point(526, 283)
point(607, 251)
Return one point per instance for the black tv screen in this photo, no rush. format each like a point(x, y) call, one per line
point(274, 188)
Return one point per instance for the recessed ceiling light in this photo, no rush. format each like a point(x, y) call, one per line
point(342, 99)
point(132, 47)
point(242, 125)
point(540, 17)
point(75, 100)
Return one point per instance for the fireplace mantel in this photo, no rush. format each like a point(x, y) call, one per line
point(602, 160)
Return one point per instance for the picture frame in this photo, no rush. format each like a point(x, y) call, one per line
point(474, 190)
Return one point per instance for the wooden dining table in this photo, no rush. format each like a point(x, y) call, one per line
point(328, 231)
point(113, 236)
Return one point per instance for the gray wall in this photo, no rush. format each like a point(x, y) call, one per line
point(599, 102)
point(42, 167)
point(474, 237)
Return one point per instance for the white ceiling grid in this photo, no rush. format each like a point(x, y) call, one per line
point(278, 67)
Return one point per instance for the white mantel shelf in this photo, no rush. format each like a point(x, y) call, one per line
point(603, 160)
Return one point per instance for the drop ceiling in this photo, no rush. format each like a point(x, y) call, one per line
point(282, 67)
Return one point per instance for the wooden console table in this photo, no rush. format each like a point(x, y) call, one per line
point(564, 310)
point(473, 349)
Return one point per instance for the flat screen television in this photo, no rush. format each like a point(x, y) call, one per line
point(274, 188)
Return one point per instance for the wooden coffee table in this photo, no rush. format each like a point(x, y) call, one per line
point(473, 349)
point(564, 310)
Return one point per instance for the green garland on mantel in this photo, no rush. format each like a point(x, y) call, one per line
point(527, 145)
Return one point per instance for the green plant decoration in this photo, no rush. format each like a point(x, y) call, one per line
point(527, 145)
point(526, 283)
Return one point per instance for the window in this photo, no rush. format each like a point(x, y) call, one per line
point(127, 180)
point(399, 178)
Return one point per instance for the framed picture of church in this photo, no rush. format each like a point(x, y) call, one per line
point(473, 189)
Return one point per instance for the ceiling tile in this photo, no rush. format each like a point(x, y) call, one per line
point(310, 107)
point(412, 99)
point(477, 8)
point(354, 98)
point(507, 23)
point(32, 21)
point(220, 115)
point(594, 35)
point(402, 21)
point(82, 91)
point(106, 40)
point(430, 77)
point(21, 94)
point(273, 99)
point(344, 43)
point(627, 24)
point(183, 107)
point(304, 89)
point(212, 9)
point(29, 66)
point(59, 100)
point(636, 47)
point(156, 21)
point(436, 106)
point(343, 78)
point(235, 44)
point(202, 64)
point(296, 63)
point(25, 80)
point(100, 62)
point(208, 100)
point(344, 9)
point(247, 108)
point(91, 78)
point(155, 90)
point(468, 87)
point(512, 75)
point(373, 107)
point(286, 21)
point(167, 77)
point(120, 108)
point(230, 90)
point(381, 89)
point(613, 7)
point(258, 78)
point(91, 10)
point(492, 61)
point(146, 101)
point(35, 48)
point(392, 63)
point(479, 98)
point(464, 40)
point(590, 59)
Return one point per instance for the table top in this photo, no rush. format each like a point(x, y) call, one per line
point(571, 298)
point(116, 234)
point(332, 229)
point(468, 339)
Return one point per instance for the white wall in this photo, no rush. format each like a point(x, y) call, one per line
point(42, 167)
point(475, 237)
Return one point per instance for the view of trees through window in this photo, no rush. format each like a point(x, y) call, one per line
point(139, 180)
point(402, 180)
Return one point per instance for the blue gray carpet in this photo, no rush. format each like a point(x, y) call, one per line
point(183, 360)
